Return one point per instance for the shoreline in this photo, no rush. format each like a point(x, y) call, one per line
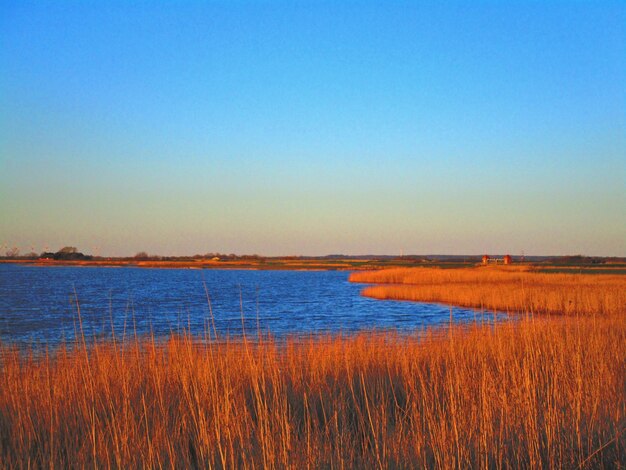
point(276, 264)
point(339, 264)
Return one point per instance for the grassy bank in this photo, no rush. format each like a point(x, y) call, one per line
point(542, 393)
point(507, 289)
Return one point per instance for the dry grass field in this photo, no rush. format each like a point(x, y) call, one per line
point(530, 394)
point(506, 289)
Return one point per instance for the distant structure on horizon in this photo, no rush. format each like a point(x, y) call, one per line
point(507, 259)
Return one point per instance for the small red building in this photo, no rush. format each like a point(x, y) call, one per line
point(507, 259)
point(485, 259)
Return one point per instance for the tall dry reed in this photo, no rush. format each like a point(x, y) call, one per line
point(502, 289)
point(535, 393)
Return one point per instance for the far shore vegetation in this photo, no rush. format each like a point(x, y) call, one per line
point(71, 256)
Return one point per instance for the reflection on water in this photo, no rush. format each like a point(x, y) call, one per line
point(38, 304)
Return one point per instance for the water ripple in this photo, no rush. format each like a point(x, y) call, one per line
point(38, 304)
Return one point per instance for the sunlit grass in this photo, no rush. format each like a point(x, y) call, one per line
point(513, 289)
point(533, 393)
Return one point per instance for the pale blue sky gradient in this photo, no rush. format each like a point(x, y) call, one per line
point(285, 128)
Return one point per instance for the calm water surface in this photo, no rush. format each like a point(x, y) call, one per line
point(38, 304)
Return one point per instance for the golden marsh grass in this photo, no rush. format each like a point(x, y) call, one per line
point(514, 289)
point(535, 393)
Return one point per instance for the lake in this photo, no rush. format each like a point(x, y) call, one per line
point(39, 304)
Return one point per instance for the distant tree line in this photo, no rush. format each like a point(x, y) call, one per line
point(67, 253)
point(71, 253)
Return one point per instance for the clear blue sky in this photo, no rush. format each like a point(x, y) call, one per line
point(313, 128)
